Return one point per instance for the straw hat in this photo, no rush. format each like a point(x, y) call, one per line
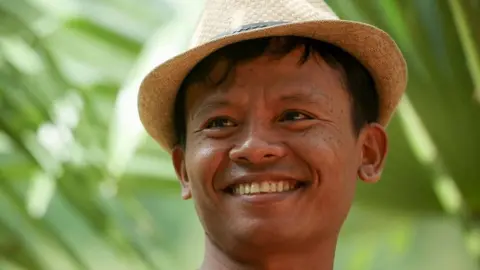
point(224, 22)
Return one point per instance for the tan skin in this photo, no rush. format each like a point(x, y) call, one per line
point(275, 120)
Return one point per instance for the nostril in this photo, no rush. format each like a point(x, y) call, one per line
point(256, 154)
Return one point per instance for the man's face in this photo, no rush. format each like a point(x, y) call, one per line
point(284, 130)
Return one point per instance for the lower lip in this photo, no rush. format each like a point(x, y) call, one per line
point(267, 198)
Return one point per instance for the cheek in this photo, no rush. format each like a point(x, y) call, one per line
point(202, 162)
point(331, 154)
point(322, 144)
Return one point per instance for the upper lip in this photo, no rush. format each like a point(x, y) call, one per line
point(260, 177)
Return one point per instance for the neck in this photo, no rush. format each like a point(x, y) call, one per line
point(318, 257)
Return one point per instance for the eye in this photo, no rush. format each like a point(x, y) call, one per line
point(219, 122)
point(294, 116)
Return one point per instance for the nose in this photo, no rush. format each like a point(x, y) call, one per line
point(257, 151)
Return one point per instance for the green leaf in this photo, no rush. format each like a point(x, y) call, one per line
point(106, 35)
point(44, 228)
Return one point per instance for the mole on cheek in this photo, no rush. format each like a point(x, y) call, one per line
point(321, 134)
point(198, 142)
point(339, 142)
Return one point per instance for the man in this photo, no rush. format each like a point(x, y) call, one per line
point(269, 118)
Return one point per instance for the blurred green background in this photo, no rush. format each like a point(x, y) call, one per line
point(83, 187)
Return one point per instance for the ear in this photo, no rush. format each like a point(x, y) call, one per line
point(374, 152)
point(178, 158)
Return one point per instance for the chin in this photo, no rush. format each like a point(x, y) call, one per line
point(264, 234)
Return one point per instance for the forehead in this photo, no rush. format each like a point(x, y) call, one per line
point(270, 76)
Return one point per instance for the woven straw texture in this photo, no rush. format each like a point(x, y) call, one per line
point(230, 15)
point(370, 45)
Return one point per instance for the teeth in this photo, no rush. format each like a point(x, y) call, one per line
point(263, 187)
point(254, 188)
point(273, 187)
point(280, 187)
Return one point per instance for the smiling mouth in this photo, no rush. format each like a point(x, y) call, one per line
point(264, 187)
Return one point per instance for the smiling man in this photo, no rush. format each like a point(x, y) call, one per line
point(271, 117)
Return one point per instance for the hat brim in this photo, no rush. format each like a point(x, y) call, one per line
point(374, 48)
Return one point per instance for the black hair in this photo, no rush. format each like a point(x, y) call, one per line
point(358, 81)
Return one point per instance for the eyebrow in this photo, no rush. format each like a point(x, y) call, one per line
point(210, 106)
point(301, 97)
